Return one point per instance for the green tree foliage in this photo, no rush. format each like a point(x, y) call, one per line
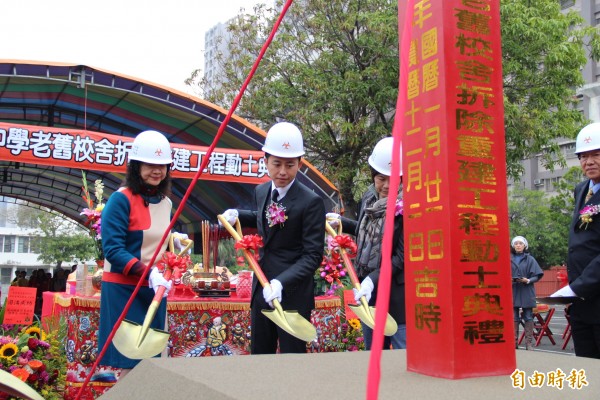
point(228, 256)
point(65, 248)
point(333, 69)
point(546, 229)
point(564, 202)
point(543, 52)
point(60, 240)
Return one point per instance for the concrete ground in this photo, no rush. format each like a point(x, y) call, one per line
point(343, 376)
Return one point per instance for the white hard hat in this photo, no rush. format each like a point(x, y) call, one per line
point(588, 138)
point(381, 157)
point(284, 140)
point(151, 147)
point(519, 239)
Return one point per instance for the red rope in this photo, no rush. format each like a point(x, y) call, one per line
point(188, 192)
point(383, 289)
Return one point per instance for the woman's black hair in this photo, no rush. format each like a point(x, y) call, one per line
point(374, 172)
point(133, 180)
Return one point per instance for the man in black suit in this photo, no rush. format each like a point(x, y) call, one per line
point(583, 260)
point(291, 220)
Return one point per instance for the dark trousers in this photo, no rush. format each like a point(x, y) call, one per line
point(266, 334)
point(586, 338)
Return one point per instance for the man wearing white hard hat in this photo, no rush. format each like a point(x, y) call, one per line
point(289, 217)
point(133, 222)
point(583, 258)
point(369, 233)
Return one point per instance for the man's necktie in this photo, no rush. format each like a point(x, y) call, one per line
point(589, 195)
point(275, 196)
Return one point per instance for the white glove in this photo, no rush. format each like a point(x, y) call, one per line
point(366, 288)
point(564, 292)
point(157, 279)
point(273, 292)
point(333, 219)
point(177, 238)
point(230, 215)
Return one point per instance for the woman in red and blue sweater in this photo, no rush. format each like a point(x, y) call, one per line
point(133, 222)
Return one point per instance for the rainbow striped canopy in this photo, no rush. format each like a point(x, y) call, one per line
point(81, 97)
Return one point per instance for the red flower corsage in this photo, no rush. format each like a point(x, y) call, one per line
point(275, 213)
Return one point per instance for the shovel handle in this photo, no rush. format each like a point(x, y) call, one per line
point(260, 275)
point(186, 242)
point(168, 271)
point(161, 289)
point(349, 267)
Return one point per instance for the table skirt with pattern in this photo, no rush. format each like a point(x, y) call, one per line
point(190, 322)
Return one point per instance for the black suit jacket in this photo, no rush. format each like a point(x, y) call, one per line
point(583, 261)
point(292, 252)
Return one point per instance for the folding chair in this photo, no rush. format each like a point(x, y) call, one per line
point(567, 332)
point(541, 326)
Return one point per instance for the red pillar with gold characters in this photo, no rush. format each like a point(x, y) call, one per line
point(458, 286)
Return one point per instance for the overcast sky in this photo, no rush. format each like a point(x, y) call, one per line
point(158, 41)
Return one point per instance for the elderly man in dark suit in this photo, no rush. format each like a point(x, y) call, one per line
point(291, 220)
point(583, 262)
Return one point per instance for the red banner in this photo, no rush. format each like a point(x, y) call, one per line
point(89, 150)
point(19, 305)
point(349, 299)
point(458, 294)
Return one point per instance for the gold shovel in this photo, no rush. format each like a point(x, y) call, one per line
point(137, 341)
point(290, 321)
point(365, 313)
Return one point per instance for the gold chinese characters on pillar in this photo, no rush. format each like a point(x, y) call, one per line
point(459, 313)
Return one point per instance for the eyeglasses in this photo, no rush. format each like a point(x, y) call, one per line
point(588, 156)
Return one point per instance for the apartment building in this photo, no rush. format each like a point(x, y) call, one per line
point(536, 176)
point(19, 250)
point(215, 47)
point(215, 44)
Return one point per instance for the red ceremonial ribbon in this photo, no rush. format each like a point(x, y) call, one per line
point(385, 277)
point(346, 243)
point(188, 192)
point(173, 262)
point(251, 243)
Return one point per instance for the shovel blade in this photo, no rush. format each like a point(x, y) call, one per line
point(14, 386)
point(293, 323)
point(126, 341)
point(367, 316)
point(363, 313)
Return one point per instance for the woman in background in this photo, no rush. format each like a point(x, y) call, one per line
point(525, 272)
